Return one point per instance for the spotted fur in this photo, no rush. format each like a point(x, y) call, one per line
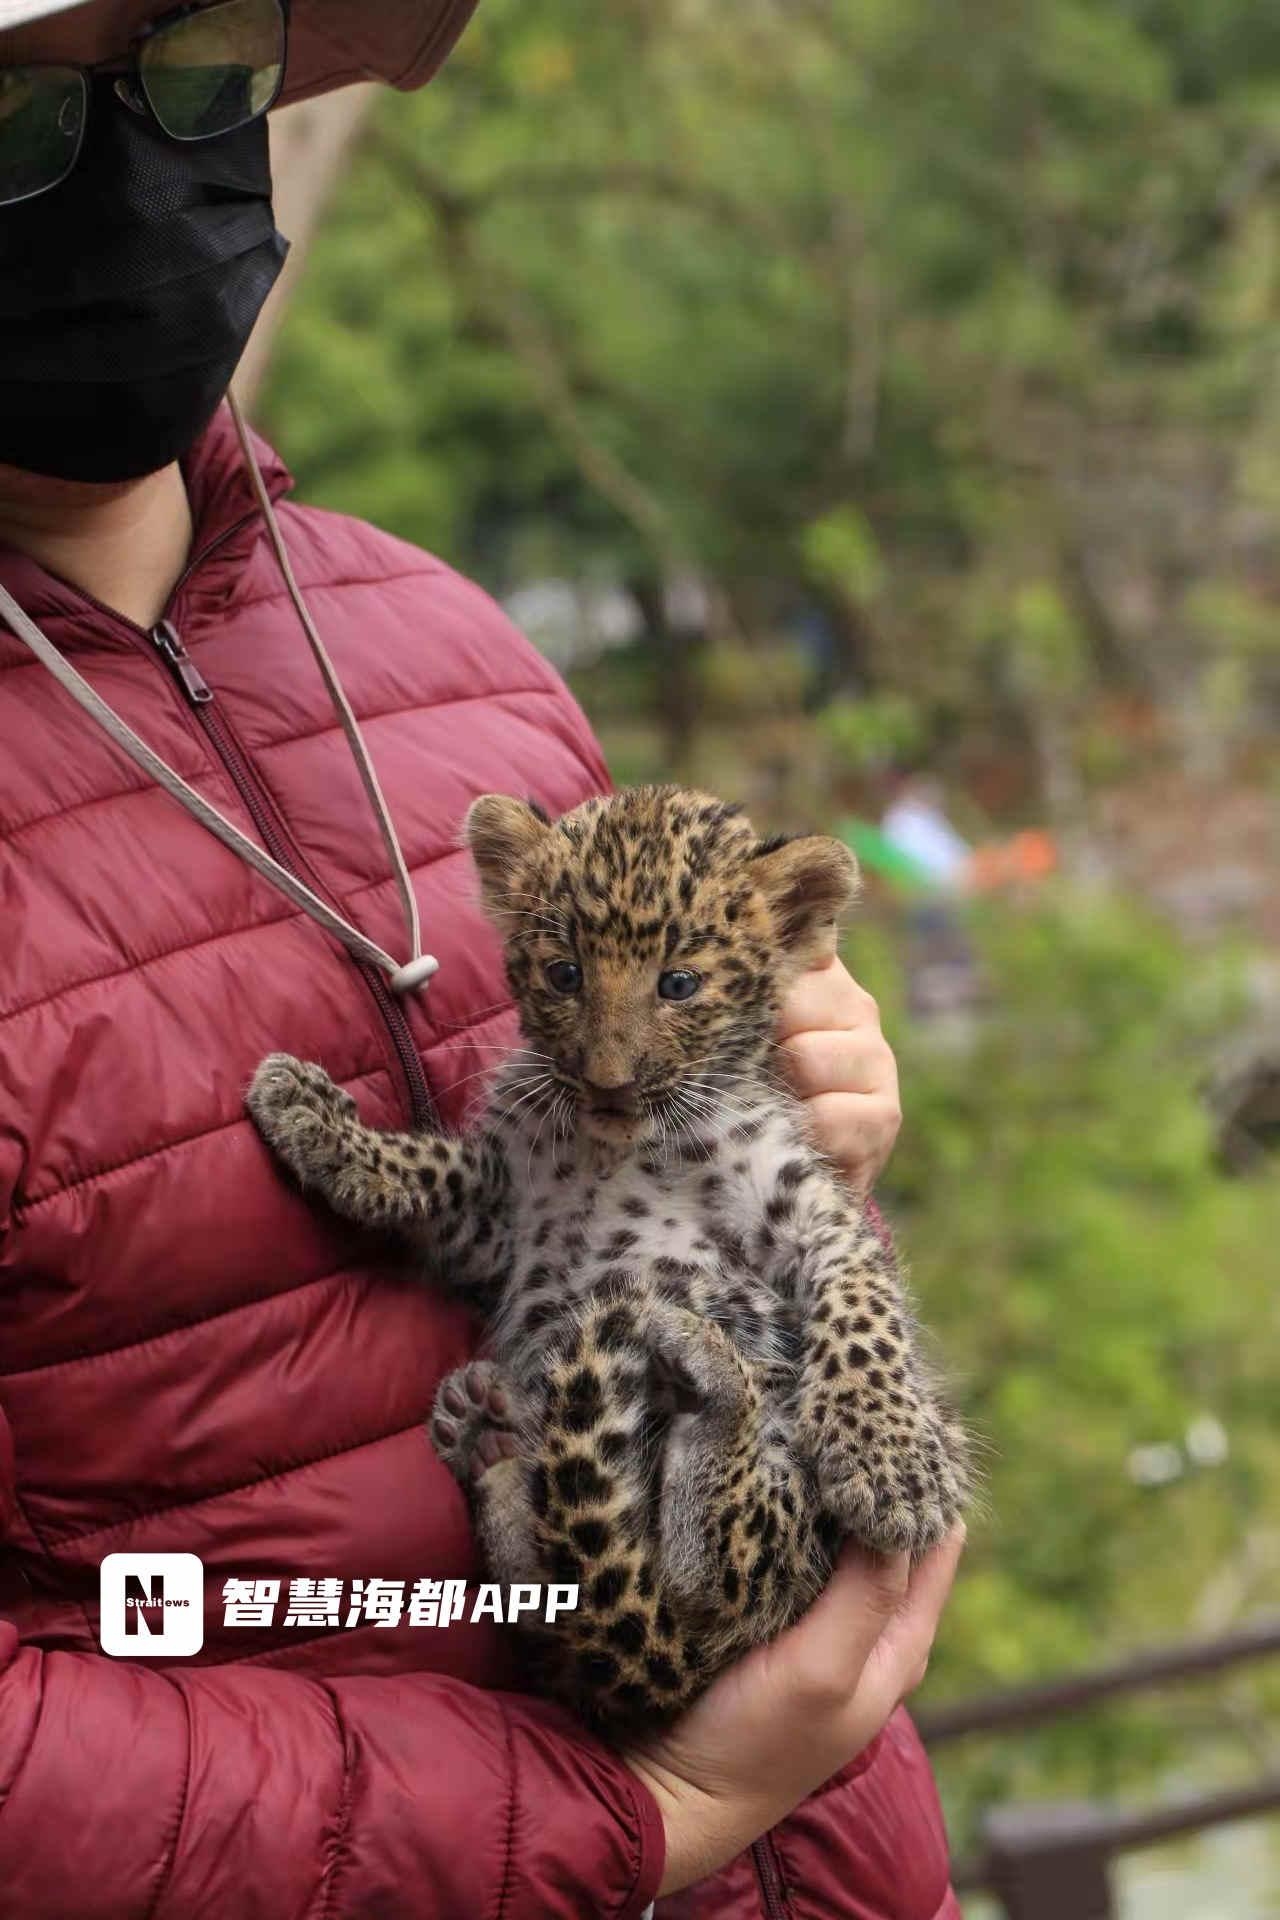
point(702, 1372)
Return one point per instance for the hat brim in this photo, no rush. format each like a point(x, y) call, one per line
point(403, 43)
point(20, 13)
point(333, 43)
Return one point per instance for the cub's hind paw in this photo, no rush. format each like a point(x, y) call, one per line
point(295, 1106)
point(471, 1422)
point(895, 1498)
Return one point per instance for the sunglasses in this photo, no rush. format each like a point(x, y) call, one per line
point(197, 73)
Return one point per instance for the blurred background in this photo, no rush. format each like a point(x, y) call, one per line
point(873, 407)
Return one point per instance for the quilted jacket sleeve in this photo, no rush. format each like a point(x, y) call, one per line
point(129, 1793)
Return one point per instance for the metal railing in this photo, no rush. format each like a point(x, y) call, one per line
point(1054, 1861)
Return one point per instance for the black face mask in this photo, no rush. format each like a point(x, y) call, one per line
point(127, 295)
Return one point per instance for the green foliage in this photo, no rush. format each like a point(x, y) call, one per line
point(840, 550)
point(737, 682)
point(1049, 653)
point(830, 303)
point(874, 732)
point(1096, 1286)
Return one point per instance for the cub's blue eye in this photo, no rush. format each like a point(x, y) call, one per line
point(565, 976)
point(678, 984)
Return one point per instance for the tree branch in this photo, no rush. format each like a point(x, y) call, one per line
point(499, 302)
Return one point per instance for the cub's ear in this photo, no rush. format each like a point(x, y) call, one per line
point(501, 833)
point(807, 883)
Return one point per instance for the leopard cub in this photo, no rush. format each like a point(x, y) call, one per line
point(701, 1373)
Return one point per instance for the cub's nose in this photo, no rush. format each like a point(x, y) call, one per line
point(618, 1098)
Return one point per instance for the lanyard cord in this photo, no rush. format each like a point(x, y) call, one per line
point(341, 705)
point(420, 967)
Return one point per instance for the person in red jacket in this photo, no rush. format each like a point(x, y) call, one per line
point(193, 1358)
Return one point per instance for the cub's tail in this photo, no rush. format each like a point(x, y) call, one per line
point(656, 1491)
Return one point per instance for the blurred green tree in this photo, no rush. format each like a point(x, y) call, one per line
point(925, 317)
point(1097, 1288)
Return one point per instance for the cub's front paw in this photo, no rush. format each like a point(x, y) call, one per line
point(896, 1493)
point(297, 1109)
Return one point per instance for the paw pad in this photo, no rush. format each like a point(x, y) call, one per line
point(471, 1423)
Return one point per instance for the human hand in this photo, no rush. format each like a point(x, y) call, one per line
point(843, 1068)
point(780, 1722)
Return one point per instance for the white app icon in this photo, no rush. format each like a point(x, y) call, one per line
point(151, 1603)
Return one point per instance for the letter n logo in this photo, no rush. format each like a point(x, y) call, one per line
point(143, 1607)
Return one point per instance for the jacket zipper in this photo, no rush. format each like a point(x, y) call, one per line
point(773, 1896)
point(197, 692)
point(199, 696)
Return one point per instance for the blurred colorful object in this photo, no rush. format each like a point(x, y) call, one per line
point(880, 855)
point(1027, 858)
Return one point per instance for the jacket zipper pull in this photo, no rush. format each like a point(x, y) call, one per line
point(167, 642)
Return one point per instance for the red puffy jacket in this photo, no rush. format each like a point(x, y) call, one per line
point(193, 1358)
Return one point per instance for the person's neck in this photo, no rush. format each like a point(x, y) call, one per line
point(125, 545)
